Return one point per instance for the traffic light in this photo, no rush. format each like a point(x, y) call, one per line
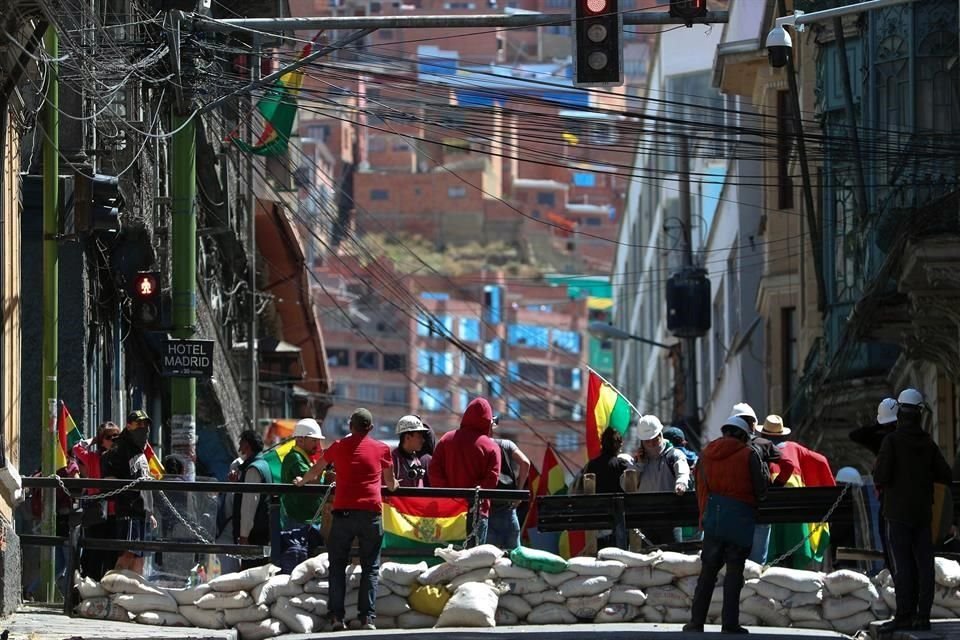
point(145, 307)
point(688, 10)
point(597, 43)
point(97, 202)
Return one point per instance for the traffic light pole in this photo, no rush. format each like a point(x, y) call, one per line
point(183, 188)
point(691, 404)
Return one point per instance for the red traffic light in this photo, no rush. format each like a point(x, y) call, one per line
point(146, 285)
point(596, 6)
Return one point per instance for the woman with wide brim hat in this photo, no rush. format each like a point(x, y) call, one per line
point(772, 427)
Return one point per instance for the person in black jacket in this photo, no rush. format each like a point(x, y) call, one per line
point(908, 465)
point(608, 467)
point(871, 436)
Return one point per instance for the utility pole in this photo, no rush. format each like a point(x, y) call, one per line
point(252, 350)
point(689, 355)
point(51, 292)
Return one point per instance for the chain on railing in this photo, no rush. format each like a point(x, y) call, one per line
point(819, 525)
point(475, 529)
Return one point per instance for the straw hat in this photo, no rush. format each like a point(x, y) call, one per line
point(773, 426)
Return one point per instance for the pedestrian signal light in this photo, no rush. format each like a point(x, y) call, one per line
point(597, 43)
point(145, 294)
point(687, 10)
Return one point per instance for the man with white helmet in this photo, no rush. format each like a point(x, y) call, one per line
point(299, 508)
point(871, 436)
point(731, 482)
point(908, 465)
point(409, 464)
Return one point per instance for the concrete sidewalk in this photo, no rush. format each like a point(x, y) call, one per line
point(38, 622)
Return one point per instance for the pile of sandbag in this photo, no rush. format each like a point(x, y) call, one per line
point(484, 587)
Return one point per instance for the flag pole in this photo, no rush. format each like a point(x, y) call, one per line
point(625, 399)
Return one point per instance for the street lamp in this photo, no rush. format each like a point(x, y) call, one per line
point(605, 331)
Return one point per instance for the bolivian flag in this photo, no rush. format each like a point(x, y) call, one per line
point(606, 407)
point(67, 435)
point(424, 523)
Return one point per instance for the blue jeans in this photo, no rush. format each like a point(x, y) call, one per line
point(482, 527)
point(503, 528)
point(367, 528)
point(761, 543)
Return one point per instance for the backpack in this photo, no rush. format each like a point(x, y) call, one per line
point(508, 477)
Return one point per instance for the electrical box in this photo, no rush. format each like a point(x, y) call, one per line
point(688, 303)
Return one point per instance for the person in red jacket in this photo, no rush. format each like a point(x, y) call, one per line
point(468, 458)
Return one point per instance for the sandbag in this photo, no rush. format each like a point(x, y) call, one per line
point(404, 574)
point(102, 608)
point(853, 623)
point(244, 580)
point(354, 575)
point(630, 558)
point(550, 613)
point(868, 593)
point(844, 581)
point(617, 612)
point(415, 620)
point(505, 569)
point(688, 585)
point(804, 614)
point(590, 567)
point(794, 579)
point(89, 588)
point(476, 575)
point(268, 628)
point(940, 613)
point(256, 613)
point(752, 569)
point(268, 592)
point(587, 607)
point(537, 560)
point(402, 590)
point(766, 610)
point(141, 602)
point(556, 579)
point(314, 586)
point(392, 606)
point(315, 567)
point(809, 599)
point(646, 577)
point(679, 564)
point(203, 618)
point(768, 589)
point(667, 596)
point(585, 586)
point(222, 600)
point(473, 605)
point(442, 573)
point(652, 614)
point(315, 604)
point(187, 596)
point(386, 622)
point(625, 594)
point(505, 618)
point(676, 615)
point(514, 604)
point(123, 581)
point(890, 597)
point(947, 597)
point(523, 587)
point(540, 597)
point(296, 620)
point(481, 556)
point(163, 619)
point(946, 572)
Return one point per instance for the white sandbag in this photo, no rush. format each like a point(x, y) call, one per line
point(587, 607)
point(853, 623)
point(554, 580)
point(405, 574)
point(946, 572)
point(89, 588)
point(868, 593)
point(268, 628)
point(392, 606)
point(947, 597)
point(318, 585)
point(523, 587)
point(515, 605)
point(550, 613)
point(473, 605)
point(645, 577)
point(402, 590)
point(745, 592)
point(476, 575)
point(844, 607)
point(794, 579)
point(506, 569)
point(102, 608)
point(890, 597)
point(203, 618)
point(844, 581)
point(590, 567)
point(625, 594)
point(809, 599)
point(652, 614)
point(767, 610)
point(883, 578)
point(617, 612)
point(483, 555)
point(804, 614)
point(124, 581)
point(315, 604)
point(630, 558)
point(220, 600)
point(940, 613)
point(667, 596)
point(244, 580)
point(769, 590)
point(354, 575)
point(540, 597)
point(442, 573)
point(688, 585)
point(141, 602)
point(316, 567)
point(505, 618)
point(752, 569)
point(383, 591)
point(187, 596)
point(268, 592)
point(679, 564)
point(163, 619)
point(386, 622)
point(415, 620)
point(256, 613)
point(585, 586)
point(297, 620)
point(676, 615)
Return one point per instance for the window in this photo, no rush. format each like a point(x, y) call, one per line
point(396, 395)
point(470, 329)
point(379, 194)
point(790, 364)
point(376, 144)
point(566, 442)
point(395, 362)
point(368, 360)
point(569, 341)
point(431, 326)
point(733, 294)
point(399, 145)
point(718, 332)
point(566, 378)
point(456, 192)
point(491, 350)
point(533, 373)
point(435, 399)
point(785, 141)
point(528, 335)
point(547, 198)
point(468, 366)
point(584, 180)
point(367, 393)
point(435, 363)
point(338, 357)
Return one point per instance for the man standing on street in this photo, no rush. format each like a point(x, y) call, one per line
point(361, 463)
point(504, 526)
point(468, 458)
point(908, 465)
point(731, 481)
point(253, 525)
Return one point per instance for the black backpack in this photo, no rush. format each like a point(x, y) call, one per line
point(508, 477)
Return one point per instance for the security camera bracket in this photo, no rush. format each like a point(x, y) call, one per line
point(791, 21)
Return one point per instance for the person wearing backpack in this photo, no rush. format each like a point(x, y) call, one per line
point(504, 526)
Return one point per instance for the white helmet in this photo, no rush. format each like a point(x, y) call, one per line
point(910, 397)
point(849, 475)
point(742, 409)
point(649, 427)
point(887, 411)
point(407, 424)
point(739, 423)
point(307, 428)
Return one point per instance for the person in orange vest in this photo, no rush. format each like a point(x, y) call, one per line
point(731, 482)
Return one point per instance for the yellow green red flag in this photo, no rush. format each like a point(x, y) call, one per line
point(423, 523)
point(606, 407)
point(67, 435)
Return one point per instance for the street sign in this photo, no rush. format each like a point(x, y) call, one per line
point(187, 358)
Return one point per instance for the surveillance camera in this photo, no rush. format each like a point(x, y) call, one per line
point(778, 47)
